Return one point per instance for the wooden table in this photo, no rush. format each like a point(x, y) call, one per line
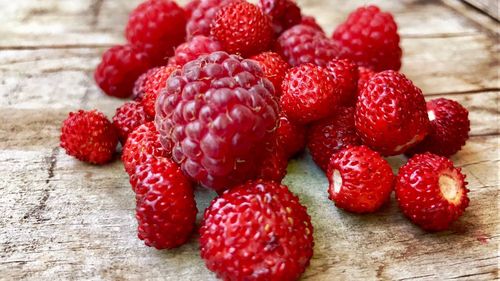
point(67, 220)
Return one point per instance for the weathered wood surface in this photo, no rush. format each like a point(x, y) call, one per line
point(67, 220)
point(490, 7)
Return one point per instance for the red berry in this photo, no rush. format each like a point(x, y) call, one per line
point(390, 113)
point(119, 68)
point(166, 209)
point(431, 192)
point(190, 7)
point(311, 21)
point(449, 129)
point(192, 49)
point(309, 94)
point(284, 13)
point(330, 135)
point(274, 68)
point(370, 38)
point(140, 84)
point(305, 44)
point(217, 111)
point(364, 75)
point(360, 179)
point(157, 27)
point(128, 117)
point(202, 16)
point(142, 144)
point(290, 136)
point(242, 28)
point(274, 165)
point(345, 76)
point(89, 136)
point(257, 231)
point(155, 83)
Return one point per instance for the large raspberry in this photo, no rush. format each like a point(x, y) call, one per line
point(370, 38)
point(202, 16)
point(242, 28)
point(119, 68)
point(216, 112)
point(89, 137)
point(390, 113)
point(257, 231)
point(157, 27)
point(166, 209)
point(192, 49)
point(284, 13)
point(305, 44)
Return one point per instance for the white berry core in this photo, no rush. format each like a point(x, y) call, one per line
point(337, 181)
point(432, 115)
point(449, 187)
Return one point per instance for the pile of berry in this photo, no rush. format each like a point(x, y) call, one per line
point(225, 92)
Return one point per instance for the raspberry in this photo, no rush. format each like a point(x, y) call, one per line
point(203, 15)
point(309, 93)
point(390, 113)
point(305, 44)
point(330, 135)
point(370, 38)
point(345, 76)
point(274, 68)
point(364, 74)
point(284, 13)
point(190, 7)
point(128, 117)
point(140, 84)
point(360, 180)
point(449, 129)
point(431, 192)
point(242, 28)
point(166, 210)
point(290, 136)
point(192, 49)
point(142, 144)
point(257, 231)
point(119, 68)
point(157, 27)
point(89, 136)
point(311, 21)
point(216, 112)
point(154, 85)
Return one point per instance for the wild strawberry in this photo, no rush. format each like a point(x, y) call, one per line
point(345, 76)
point(120, 66)
point(217, 111)
point(364, 75)
point(449, 129)
point(140, 84)
point(89, 136)
point(143, 143)
point(311, 21)
point(257, 231)
point(242, 28)
point(309, 94)
point(361, 180)
point(390, 113)
point(192, 49)
point(274, 68)
point(330, 135)
point(154, 85)
point(431, 192)
point(305, 44)
point(128, 117)
point(166, 209)
point(284, 13)
point(156, 27)
point(370, 38)
point(202, 16)
point(290, 136)
point(274, 165)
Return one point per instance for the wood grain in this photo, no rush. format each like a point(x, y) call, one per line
point(68, 220)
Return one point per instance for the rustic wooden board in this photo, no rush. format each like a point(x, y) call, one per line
point(62, 218)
